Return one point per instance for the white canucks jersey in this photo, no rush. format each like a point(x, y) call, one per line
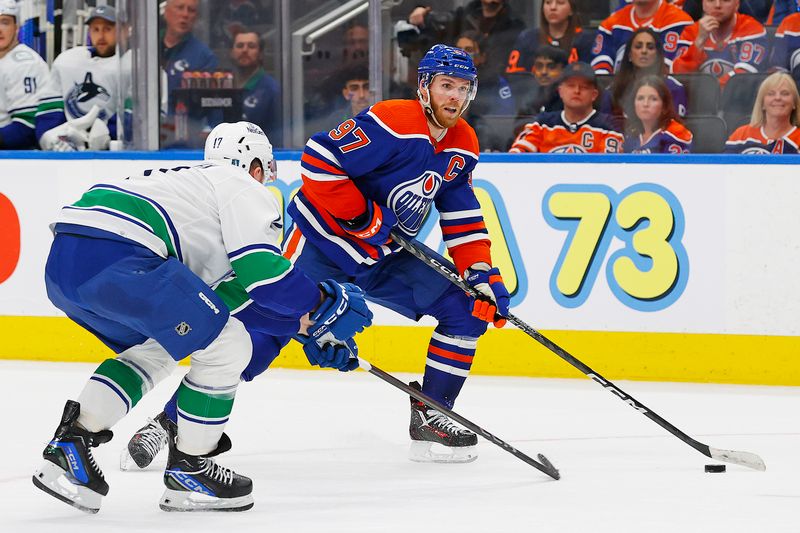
point(80, 80)
point(201, 215)
point(214, 218)
point(22, 74)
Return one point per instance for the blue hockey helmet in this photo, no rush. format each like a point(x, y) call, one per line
point(449, 61)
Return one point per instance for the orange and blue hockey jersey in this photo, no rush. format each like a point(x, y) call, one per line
point(386, 154)
point(745, 50)
point(552, 133)
point(786, 45)
point(674, 139)
point(615, 32)
point(752, 140)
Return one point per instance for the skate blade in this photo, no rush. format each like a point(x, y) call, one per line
point(430, 452)
point(127, 463)
point(55, 481)
point(185, 501)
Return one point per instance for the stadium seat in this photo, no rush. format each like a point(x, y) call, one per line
point(702, 92)
point(710, 133)
point(498, 130)
point(738, 97)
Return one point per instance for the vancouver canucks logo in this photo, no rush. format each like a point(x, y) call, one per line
point(83, 96)
point(251, 101)
point(569, 149)
point(411, 200)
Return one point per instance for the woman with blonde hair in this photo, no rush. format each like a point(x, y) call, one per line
point(773, 123)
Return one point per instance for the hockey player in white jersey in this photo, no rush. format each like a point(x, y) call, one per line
point(22, 74)
point(133, 262)
point(83, 78)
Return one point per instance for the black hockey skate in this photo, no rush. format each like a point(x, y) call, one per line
point(69, 471)
point(146, 443)
point(196, 483)
point(153, 437)
point(437, 439)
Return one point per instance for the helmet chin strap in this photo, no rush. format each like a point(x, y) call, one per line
point(426, 105)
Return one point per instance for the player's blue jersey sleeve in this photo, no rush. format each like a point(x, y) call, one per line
point(460, 214)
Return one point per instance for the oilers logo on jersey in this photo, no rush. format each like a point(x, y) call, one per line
point(756, 150)
point(569, 149)
point(80, 99)
point(411, 200)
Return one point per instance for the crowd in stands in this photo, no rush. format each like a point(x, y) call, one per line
point(650, 73)
point(635, 83)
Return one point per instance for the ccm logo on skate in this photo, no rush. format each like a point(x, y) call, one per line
point(208, 302)
point(9, 238)
point(190, 483)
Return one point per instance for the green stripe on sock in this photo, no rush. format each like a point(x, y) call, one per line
point(203, 405)
point(124, 377)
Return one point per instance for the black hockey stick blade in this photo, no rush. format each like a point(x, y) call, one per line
point(447, 270)
point(543, 465)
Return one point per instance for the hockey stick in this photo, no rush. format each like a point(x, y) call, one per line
point(544, 466)
point(447, 270)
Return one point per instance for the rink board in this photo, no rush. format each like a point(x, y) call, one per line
point(643, 267)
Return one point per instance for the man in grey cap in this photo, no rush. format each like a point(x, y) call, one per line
point(579, 128)
point(78, 108)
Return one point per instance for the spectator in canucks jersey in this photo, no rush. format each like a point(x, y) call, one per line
point(180, 51)
point(262, 94)
point(83, 78)
point(22, 73)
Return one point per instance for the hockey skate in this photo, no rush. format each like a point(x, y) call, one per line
point(146, 443)
point(196, 483)
point(437, 439)
point(69, 471)
point(153, 437)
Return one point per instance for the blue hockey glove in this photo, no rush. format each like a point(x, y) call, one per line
point(342, 356)
point(341, 315)
point(373, 225)
point(489, 283)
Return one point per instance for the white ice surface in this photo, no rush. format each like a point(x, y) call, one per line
point(327, 453)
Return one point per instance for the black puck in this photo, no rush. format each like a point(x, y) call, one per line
point(715, 468)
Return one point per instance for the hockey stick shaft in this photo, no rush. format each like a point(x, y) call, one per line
point(447, 270)
point(545, 466)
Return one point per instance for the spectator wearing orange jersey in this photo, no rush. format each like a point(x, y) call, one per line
point(579, 128)
point(722, 43)
point(773, 127)
point(666, 20)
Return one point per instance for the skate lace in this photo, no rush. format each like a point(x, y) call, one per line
point(152, 437)
point(217, 472)
point(438, 419)
point(93, 464)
